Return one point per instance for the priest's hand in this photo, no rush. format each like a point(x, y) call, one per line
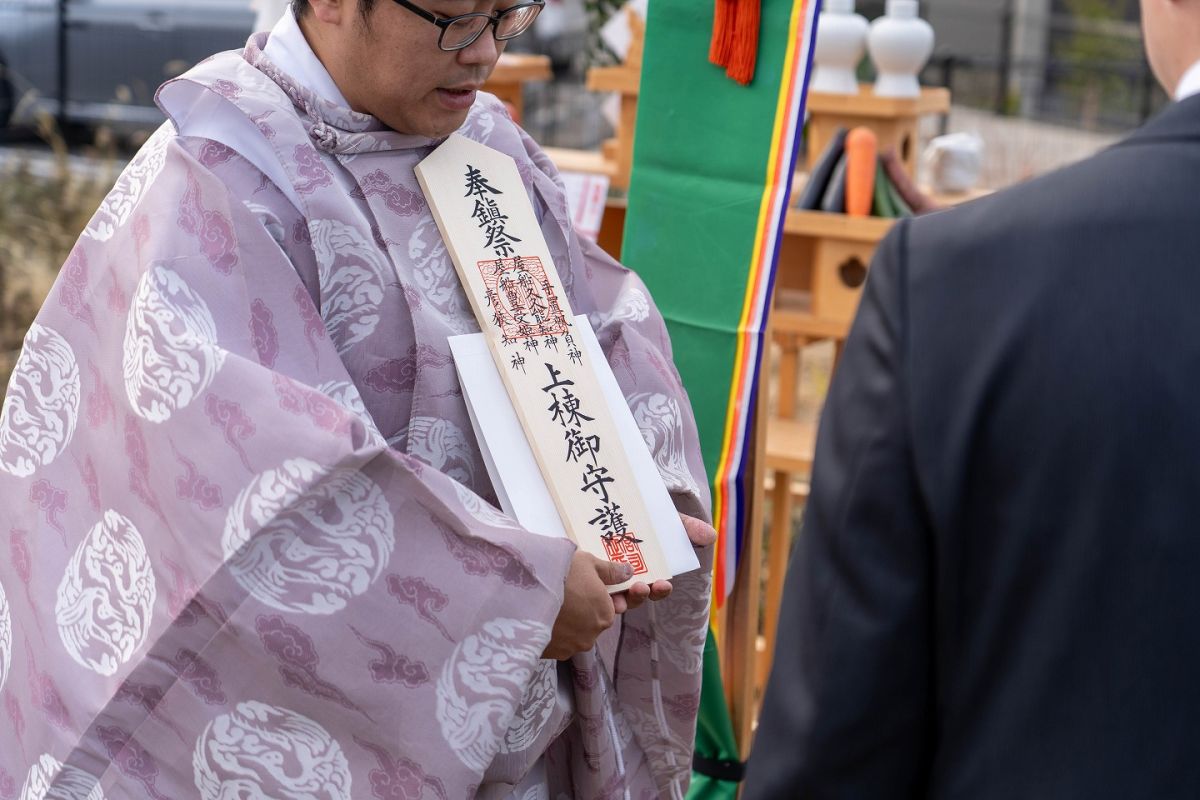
point(701, 535)
point(587, 610)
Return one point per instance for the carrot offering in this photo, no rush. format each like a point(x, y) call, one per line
point(861, 154)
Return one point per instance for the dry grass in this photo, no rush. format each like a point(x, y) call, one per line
point(42, 213)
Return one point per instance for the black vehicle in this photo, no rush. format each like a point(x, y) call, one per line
point(117, 53)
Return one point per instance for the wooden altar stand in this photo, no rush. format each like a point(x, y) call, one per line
point(624, 79)
point(895, 120)
point(512, 72)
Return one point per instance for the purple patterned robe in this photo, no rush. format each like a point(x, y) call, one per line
point(251, 548)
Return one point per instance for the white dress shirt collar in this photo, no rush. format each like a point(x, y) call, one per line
point(1189, 84)
point(289, 50)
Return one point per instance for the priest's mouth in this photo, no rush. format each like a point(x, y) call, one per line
point(457, 99)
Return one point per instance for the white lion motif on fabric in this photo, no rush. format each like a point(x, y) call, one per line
point(482, 683)
point(535, 710)
point(131, 186)
point(480, 124)
point(662, 744)
point(171, 354)
point(262, 752)
point(433, 273)
point(106, 597)
point(347, 395)
point(677, 633)
point(5, 638)
point(441, 444)
point(631, 306)
point(352, 273)
point(42, 406)
point(659, 419)
point(73, 783)
point(302, 538)
point(481, 510)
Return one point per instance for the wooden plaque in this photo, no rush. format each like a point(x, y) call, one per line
point(488, 223)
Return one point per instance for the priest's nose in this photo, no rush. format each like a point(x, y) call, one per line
point(484, 51)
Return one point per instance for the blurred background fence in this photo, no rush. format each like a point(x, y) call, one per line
point(1077, 63)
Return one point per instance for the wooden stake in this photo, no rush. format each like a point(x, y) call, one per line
point(487, 221)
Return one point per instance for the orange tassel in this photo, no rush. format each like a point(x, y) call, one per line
point(744, 52)
point(721, 48)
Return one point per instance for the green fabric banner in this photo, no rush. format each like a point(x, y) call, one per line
point(712, 170)
point(714, 731)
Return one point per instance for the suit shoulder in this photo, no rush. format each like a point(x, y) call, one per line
point(1115, 193)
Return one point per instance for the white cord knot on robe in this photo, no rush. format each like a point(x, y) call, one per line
point(324, 137)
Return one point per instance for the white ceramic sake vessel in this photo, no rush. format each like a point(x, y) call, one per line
point(841, 42)
point(900, 43)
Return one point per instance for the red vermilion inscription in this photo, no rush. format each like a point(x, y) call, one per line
point(522, 298)
point(625, 550)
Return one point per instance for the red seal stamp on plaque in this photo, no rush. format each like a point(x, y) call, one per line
point(625, 550)
point(522, 298)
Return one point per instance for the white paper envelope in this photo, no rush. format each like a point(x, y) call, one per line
point(513, 468)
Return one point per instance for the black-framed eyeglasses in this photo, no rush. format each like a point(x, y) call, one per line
point(459, 32)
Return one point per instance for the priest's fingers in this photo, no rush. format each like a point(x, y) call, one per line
point(637, 594)
point(660, 590)
point(699, 531)
point(587, 609)
point(620, 603)
point(613, 572)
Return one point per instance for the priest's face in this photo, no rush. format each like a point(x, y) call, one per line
point(388, 64)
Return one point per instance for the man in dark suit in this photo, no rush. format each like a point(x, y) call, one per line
point(997, 590)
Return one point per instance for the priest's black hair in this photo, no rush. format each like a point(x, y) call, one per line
point(300, 7)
